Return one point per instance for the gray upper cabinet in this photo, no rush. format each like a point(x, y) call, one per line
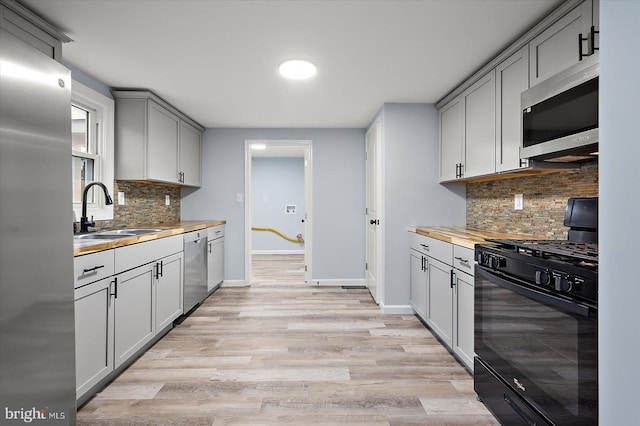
point(512, 78)
point(479, 127)
point(162, 150)
point(154, 141)
point(480, 120)
point(190, 154)
point(451, 139)
point(557, 48)
point(32, 29)
point(467, 132)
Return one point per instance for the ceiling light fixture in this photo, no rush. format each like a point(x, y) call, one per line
point(297, 69)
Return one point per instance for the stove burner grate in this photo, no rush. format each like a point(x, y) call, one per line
point(567, 250)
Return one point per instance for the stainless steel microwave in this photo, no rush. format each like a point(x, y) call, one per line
point(560, 115)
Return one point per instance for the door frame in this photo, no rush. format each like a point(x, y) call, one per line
point(305, 147)
point(379, 242)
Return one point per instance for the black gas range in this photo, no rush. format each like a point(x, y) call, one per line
point(536, 325)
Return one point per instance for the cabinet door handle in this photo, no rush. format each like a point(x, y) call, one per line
point(592, 47)
point(95, 268)
point(423, 263)
point(580, 40)
point(115, 287)
point(453, 278)
point(162, 268)
point(157, 268)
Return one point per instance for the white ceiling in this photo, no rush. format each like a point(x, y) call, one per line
point(217, 60)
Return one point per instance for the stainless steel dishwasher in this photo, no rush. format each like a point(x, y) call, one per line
point(195, 269)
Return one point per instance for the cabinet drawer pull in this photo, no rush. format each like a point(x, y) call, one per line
point(426, 247)
point(94, 269)
point(465, 261)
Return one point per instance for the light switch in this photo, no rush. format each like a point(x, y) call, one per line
point(120, 198)
point(518, 202)
point(239, 197)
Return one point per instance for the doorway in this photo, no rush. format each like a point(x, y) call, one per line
point(278, 149)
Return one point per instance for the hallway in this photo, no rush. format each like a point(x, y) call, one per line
point(280, 352)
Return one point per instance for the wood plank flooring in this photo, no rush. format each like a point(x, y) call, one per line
point(283, 353)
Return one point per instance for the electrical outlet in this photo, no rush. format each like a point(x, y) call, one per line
point(121, 198)
point(167, 200)
point(518, 202)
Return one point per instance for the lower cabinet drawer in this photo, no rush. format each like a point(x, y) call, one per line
point(92, 267)
point(439, 250)
point(463, 259)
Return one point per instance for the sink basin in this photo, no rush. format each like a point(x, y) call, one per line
point(101, 236)
point(131, 231)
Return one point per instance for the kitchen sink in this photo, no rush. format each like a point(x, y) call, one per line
point(101, 236)
point(116, 233)
point(131, 231)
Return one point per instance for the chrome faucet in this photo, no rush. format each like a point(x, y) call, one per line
point(85, 223)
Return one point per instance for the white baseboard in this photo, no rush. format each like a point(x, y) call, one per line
point(277, 251)
point(338, 282)
point(234, 283)
point(397, 309)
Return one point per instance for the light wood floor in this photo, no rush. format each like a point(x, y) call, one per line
point(282, 353)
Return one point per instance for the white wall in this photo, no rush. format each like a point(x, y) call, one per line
point(411, 192)
point(276, 182)
point(338, 196)
point(619, 325)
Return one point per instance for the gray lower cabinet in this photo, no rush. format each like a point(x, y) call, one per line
point(463, 311)
point(168, 287)
point(418, 287)
point(439, 300)
point(124, 301)
point(134, 312)
point(94, 334)
point(215, 256)
point(441, 292)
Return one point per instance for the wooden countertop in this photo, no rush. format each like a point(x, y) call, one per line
point(168, 229)
point(463, 236)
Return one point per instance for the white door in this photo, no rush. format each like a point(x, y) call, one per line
point(372, 201)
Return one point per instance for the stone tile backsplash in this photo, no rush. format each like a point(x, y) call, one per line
point(490, 204)
point(144, 204)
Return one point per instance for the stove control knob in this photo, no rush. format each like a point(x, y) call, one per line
point(543, 277)
point(563, 283)
point(496, 262)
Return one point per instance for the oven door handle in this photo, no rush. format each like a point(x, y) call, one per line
point(572, 307)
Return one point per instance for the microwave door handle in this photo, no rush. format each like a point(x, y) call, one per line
point(564, 305)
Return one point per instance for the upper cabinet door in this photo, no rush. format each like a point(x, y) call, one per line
point(480, 127)
point(190, 154)
point(512, 78)
point(451, 133)
point(162, 151)
point(557, 48)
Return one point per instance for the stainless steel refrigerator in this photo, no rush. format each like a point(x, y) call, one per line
point(37, 344)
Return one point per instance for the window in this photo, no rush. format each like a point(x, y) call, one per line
point(92, 149)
